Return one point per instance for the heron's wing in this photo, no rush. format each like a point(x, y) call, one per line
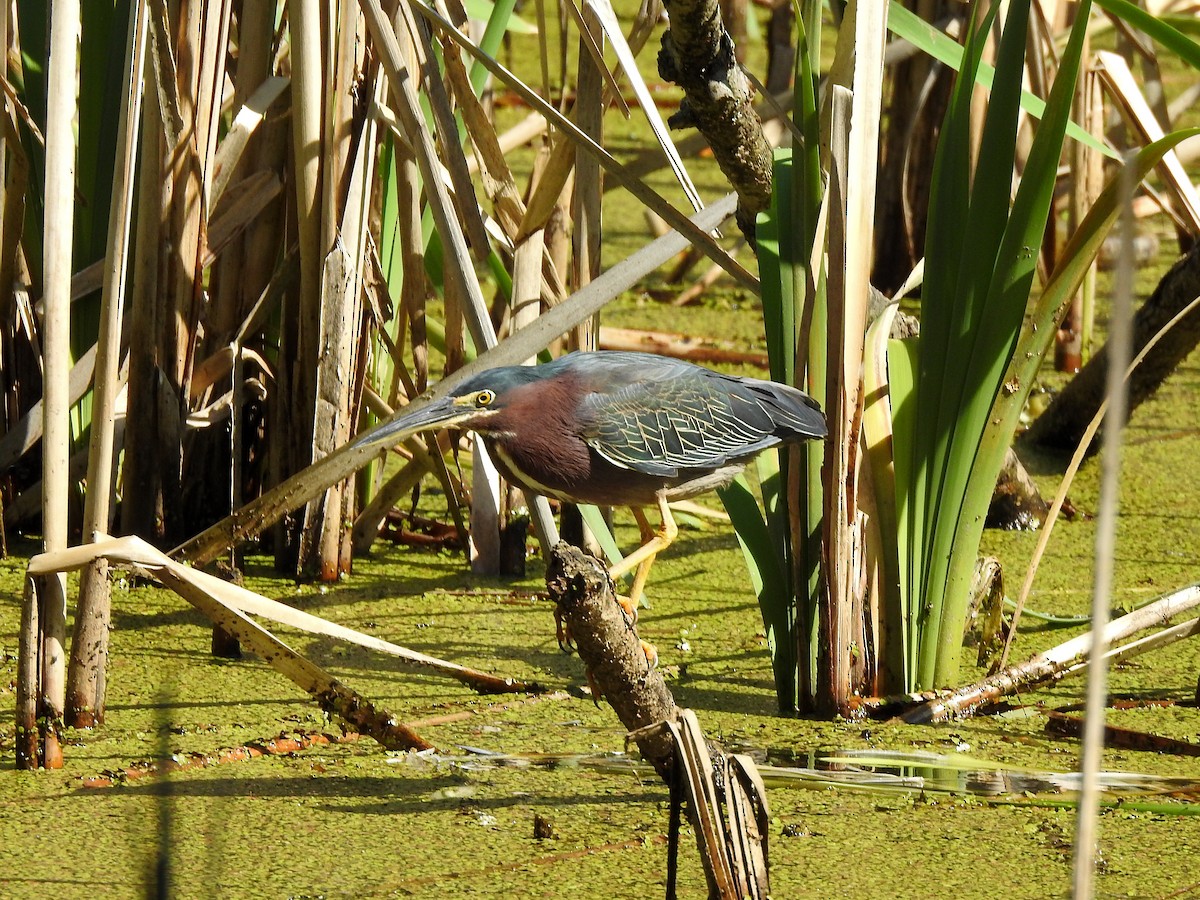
point(661, 425)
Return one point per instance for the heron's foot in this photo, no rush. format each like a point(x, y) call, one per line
point(630, 608)
point(563, 633)
point(594, 687)
point(651, 655)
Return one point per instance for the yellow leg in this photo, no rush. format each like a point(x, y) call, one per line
point(653, 543)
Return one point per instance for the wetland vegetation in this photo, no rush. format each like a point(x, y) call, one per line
point(534, 794)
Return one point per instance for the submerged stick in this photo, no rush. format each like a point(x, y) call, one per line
point(1114, 736)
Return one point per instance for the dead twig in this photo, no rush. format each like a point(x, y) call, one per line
point(679, 346)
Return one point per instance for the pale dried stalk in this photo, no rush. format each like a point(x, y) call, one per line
point(308, 87)
point(1120, 348)
point(1119, 81)
point(89, 645)
point(325, 546)
point(229, 219)
point(601, 18)
point(56, 350)
point(24, 435)
point(14, 175)
point(414, 285)
point(452, 156)
point(142, 471)
point(205, 25)
point(855, 136)
point(246, 122)
point(587, 197)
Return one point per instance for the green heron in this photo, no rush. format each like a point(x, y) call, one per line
point(621, 429)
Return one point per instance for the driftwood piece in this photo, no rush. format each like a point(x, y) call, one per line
point(1016, 505)
point(726, 801)
point(1070, 657)
point(1065, 420)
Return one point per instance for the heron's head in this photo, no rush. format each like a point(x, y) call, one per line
point(470, 405)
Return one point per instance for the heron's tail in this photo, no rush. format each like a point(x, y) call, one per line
point(796, 416)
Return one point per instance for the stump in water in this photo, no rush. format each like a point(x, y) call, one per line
point(726, 801)
point(610, 649)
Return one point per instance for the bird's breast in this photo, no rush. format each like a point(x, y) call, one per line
point(552, 465)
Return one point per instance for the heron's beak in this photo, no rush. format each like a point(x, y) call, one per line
point(420, 415)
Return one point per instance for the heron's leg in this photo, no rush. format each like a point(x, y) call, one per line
point(653, 543)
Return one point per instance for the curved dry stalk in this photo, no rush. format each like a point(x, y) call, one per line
point(136, 554)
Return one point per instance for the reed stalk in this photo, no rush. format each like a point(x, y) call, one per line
point(56, 354)
point(89, 644)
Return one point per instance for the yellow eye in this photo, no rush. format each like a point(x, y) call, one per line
point(485, 398)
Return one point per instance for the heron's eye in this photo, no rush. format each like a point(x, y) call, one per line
point(485, 398)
